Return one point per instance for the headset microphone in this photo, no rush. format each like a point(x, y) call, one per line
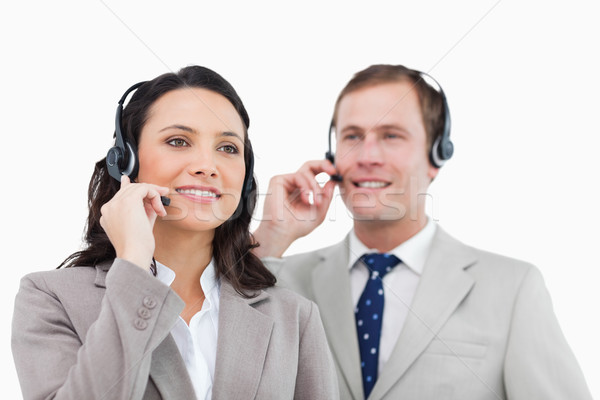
point(121, 159)
point(165, 201)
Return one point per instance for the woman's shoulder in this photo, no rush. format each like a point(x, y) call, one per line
point(60, 274)
point(281, 293)
point(63, 279)
point(284, 301)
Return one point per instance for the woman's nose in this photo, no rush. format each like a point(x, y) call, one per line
point(203, 163)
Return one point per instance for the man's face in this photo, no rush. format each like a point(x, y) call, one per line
point(382, 153)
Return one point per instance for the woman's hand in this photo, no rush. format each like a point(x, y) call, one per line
point(294, 206)
point(128, 219)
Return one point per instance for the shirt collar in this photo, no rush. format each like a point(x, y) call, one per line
point(208, 279)
point(412, 252)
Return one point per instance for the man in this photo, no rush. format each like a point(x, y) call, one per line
point(442, 320)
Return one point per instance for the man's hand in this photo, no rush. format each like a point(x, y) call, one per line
point(295, 205)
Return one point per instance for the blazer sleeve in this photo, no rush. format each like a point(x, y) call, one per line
point(316, 377)
point(539, 363)
point(113, 360)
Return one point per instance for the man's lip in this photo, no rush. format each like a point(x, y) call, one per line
point(383, 183)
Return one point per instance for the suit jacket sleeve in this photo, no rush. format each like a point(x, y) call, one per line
point(113, 359)
point(316, 378)
point(539, 363)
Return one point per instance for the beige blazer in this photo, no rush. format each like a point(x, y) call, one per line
point(104, 333)
point(481, 326)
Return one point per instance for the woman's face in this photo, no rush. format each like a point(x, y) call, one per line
point(193, 143)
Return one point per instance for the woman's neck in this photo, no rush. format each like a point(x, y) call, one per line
point(187, 254)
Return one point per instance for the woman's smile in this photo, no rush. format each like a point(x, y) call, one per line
point(199, 194)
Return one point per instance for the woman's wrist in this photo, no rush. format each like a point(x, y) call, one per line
point(140, 259)
point(272, 242)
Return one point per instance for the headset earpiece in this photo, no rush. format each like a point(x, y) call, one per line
point(331, 157)
point(248, 178)
point(442, 148)
point(121, 159)
point(441, 151)
point(329, 154)
point(114, 161)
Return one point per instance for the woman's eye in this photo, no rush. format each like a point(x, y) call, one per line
point(228, 148)
point(177, 142)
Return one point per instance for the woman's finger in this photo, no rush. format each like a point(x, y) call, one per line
point(153, 196)
point(125, 181)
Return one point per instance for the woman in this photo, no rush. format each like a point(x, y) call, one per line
point(168, 302)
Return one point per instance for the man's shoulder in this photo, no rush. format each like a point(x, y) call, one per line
point(297, 271)
point(482, 260)
point(321, 253)
point(336, 251)
point(492, 258)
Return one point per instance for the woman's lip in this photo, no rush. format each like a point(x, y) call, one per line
point(195, 188)
point(199, 194)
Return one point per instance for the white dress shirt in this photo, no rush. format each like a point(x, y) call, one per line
point(197, 342)
point(399, 285)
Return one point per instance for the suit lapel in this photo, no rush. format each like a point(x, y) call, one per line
point(331, 283)
point(244, 335)
point(167, 369)
point(443, 285)
point(168, 372)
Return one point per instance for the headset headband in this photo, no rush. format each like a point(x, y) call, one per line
point(122, 158)
point(442, 148)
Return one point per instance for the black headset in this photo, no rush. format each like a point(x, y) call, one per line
point(441, 150)
point(122, 159)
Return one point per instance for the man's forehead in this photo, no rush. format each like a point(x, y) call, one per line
point(378, 107)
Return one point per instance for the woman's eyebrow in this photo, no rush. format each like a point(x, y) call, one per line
point(232, 134)
point(181, 127)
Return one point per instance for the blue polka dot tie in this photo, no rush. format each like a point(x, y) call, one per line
point(368, 313)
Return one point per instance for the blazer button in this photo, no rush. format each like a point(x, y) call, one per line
point(144, 313)
point(140, 324)
point(149, 302)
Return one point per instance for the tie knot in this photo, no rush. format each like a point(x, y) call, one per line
point(382, 263)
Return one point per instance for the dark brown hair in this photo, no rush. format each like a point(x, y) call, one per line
point(232, 243)
point(430, 100)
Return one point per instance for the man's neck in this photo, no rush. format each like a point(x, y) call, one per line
point(387, 235)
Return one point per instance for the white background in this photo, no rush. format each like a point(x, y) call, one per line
point(521, 79)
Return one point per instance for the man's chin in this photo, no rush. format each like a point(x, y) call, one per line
point(375, 215)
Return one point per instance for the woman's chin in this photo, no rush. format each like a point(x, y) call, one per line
point(194, 214)
point(197, 221)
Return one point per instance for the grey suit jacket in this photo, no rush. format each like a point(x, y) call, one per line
point(104, 333)
point(481, 326)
